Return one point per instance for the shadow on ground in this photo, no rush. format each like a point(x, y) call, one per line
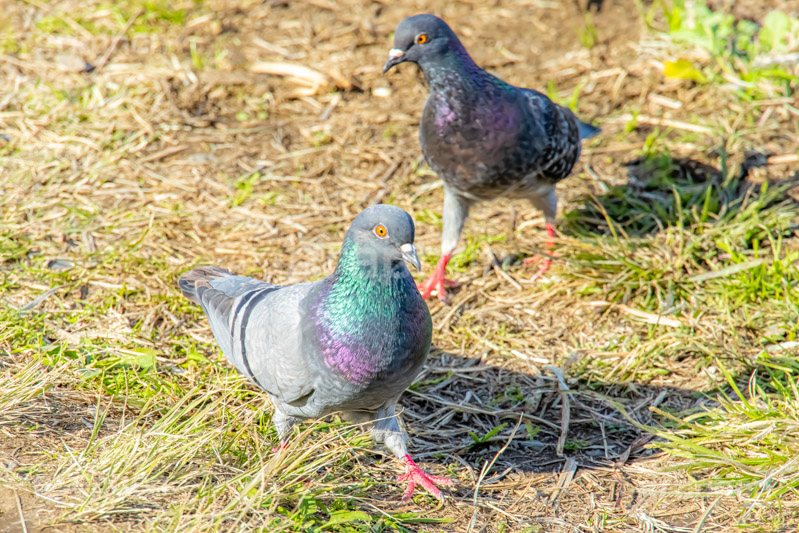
point(663, 191)
point(463, 411)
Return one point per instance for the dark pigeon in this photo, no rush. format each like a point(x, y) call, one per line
point(351, 342)
point(484, 137)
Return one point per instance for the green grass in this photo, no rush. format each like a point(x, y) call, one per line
point(678, 231)
point(204, 449)
point(720, 257)
point(741, 51)
point(749, 442)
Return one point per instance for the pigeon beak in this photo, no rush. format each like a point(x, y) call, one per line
point(409, 255)
point(395, 57)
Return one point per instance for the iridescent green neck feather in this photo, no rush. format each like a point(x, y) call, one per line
point(363, 287)
point(370, 318)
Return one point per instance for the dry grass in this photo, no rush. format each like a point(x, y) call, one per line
point(580, 403)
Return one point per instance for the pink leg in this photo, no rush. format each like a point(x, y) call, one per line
point(550, 244)
point(283, 445)
point(437, 280)
point(415, 475)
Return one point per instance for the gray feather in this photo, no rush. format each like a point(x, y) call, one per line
point(258, 327)
point(587, 130)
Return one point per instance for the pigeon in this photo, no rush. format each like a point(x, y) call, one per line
point(485, 138)
point(351, 342)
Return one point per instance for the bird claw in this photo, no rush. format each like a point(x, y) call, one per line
point(437, 281)
point(283, 445)
point(530, 260)
point(434, 282)
point(544, 267)
point(538, 257)
point(416, 476)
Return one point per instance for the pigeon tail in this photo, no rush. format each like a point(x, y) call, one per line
point(587, 130)
point(200, 277)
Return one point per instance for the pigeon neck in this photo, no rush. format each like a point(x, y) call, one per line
point(365, 271)
point(454, 69)
point(366, 287)
point(361, 298)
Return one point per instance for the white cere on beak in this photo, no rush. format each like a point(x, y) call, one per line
point(394, 53)
point(408, 248)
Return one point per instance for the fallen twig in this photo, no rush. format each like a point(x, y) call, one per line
point(565, 413)
point(115, 42)
point(649, 318)
point(21, 515)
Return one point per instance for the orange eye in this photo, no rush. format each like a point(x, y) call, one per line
point(381, 231)
point(421, 38)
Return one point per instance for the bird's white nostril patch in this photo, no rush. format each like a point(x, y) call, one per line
point(395, 53)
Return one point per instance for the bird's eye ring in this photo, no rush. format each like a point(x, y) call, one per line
point(421, 38)
point(381, 231)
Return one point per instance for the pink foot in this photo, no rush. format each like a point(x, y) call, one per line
point(544, 267)
point(437, 281)
point(283, 445)
point(547, 258)
point(416, 476)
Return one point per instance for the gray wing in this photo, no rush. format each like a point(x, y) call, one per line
point(559, 129)
point(260, 328)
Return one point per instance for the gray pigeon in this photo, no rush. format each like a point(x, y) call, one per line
point(484, 137)
point(351, 342)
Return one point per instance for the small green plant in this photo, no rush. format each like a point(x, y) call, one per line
point(53, 24)
point(244, 188)
point(736, 48)
point(474, 245)
point(572, 101)
point(576, 445)
point(196, 59)
point(588, 33)
point(479, 441)
point(320, 138)
point(422, 385)
point(428, 216)
point(390, 131)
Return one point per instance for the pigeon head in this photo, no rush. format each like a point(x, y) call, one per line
point(382, 234)
point(424, 40)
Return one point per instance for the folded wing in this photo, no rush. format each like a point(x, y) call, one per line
point(259, 327)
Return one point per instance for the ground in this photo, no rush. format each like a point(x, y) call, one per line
point(645, 384)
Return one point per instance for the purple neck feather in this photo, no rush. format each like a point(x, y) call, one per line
point(363, 316)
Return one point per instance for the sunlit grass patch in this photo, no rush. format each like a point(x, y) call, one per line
point(750, 58)
point(677, 226)
point(749, 442)
point(201, 459)
point(96, 18)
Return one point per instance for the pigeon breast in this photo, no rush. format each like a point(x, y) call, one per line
point(372, 332)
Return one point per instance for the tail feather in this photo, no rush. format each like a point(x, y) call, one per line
point(587, 130)
point(201, 276)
